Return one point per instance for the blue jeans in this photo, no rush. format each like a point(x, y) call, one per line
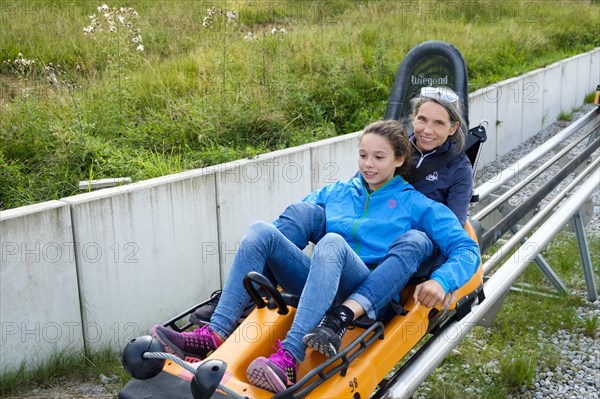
point(339, 272)
point(302, 222)
point(333, 274)
point(412, 252)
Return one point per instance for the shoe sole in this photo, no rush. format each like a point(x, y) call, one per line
point(166, 343)
point(320, 343)
point(261, 375)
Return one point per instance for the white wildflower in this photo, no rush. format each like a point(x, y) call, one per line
point(231, 15)
point(140, 48)
point(112, 28)
point(121, 19)
point(276, 31)
point(103, 8)
point(250, 36)
point(51, 75)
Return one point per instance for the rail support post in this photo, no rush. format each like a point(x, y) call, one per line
point(586, 258)
point(547, 270)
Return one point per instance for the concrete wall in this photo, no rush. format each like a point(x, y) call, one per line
point(142, 253)
point(257, 189)
point(39, 297)
point(99, 268)
point(518, 108)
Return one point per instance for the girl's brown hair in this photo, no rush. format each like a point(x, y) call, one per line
point(395, 134)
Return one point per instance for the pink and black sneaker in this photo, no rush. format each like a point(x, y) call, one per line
point(275, 373)
point(190, 346)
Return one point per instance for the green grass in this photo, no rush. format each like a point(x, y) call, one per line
point(199, 95)
point(565, 116)
point(62, 369)
point(590, 97)
point(501, 360)
point(591, 326)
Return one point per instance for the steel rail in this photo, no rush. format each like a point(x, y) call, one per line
point(484, 190)
point(514, 216)
point(501, 253)
point(424, 362)
point(492, 206)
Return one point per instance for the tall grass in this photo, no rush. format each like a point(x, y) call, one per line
point(62, 368)
point(199, 95)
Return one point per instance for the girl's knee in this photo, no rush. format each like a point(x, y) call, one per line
point(330, 249)
point(257, 230)
point(412, 239)
point(330, 241)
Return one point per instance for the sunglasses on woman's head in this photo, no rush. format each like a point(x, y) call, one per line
point(439, 93)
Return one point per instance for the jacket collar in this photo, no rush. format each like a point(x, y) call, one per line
point(447, 146)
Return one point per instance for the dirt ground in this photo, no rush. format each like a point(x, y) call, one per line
point(71, 390)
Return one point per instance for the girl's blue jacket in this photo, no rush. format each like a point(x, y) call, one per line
point(369, 222)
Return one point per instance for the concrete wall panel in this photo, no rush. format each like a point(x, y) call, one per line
point(584, 85)
point(552, 92)
point(483, 106)
point(531, 96)
point(594, 68)
point(334, 159)
point(144, 253)
point(39, 301)
point(258, 189)
point(568, 96)
point(510, 115)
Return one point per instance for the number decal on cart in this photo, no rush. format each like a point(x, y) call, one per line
point(353, 384)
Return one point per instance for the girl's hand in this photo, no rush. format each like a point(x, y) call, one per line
point(450, 298)
point(430, 294)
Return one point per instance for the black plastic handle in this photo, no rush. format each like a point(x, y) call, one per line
point(264, 283)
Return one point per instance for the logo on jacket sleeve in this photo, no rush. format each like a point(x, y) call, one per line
point(432, 176)
point(391, 204)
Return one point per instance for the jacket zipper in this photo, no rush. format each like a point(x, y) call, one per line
point(357, 221)
point(422, 156)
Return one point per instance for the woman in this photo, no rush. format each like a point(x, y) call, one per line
point(439, 129)
point(363, 216)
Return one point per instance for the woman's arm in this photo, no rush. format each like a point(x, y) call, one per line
point(442, 226)
point(461, 189)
